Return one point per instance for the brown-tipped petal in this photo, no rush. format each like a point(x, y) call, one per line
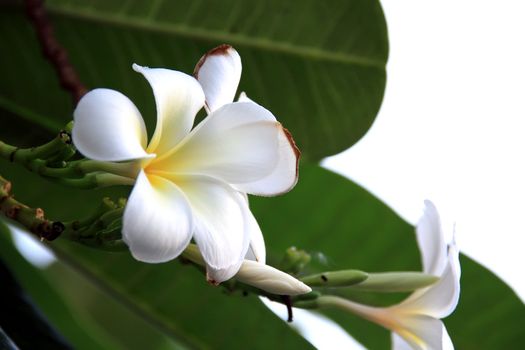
point(286, 172)
point(219, 73)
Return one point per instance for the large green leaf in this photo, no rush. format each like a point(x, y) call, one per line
point(319, 66)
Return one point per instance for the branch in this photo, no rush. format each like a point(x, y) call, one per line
point(32, 219)
point(53, 51)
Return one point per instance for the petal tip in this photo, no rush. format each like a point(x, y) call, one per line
point(223, 49)
point(306, 289)
point(212, 281)
point(138, 68)
point(296, 150)
point(243, 97)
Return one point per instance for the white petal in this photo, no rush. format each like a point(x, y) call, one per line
point(447, 342)
point(440, 299)
point(257, 249)
point(157, 222)
point(270, 279)
point(285, 175)
point(244, 98)
point(178, 98)
point(108, 127)
point(236, 144)
point(421, 332)
point(399, 343)
point(222, 224)
point(219, 73)
point(431, 241)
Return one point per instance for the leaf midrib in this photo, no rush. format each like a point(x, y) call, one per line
point(209, 35)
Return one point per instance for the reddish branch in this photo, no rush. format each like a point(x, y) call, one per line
point(53, 51)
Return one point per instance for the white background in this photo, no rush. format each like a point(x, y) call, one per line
point(452, 125)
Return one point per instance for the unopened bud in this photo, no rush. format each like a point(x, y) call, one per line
point(294, 260)
point(388, 282)
point(343, 278)
point(270, 279)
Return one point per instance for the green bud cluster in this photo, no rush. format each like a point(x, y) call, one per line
point(294, 260)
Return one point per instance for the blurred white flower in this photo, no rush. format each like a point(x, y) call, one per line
point(415, 322)
point(191, 183)
point(33, 251)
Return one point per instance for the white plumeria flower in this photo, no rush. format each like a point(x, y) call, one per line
point(192, 183)
point(415, 322)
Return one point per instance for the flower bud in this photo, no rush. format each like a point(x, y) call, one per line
point(294, 260)
point(388, 282)
point(270, 279)
point(343, 278)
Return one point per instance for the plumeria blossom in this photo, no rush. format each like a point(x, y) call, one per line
point(192, 183)
point(415, 322)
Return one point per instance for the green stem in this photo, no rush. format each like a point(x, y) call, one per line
point(106, 205)
point(49, 160)
point(128, 169)
point(25, 155)
point(95, 180)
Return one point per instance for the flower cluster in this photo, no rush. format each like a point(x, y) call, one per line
point(191, 183)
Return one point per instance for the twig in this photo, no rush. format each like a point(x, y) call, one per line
point(286, 300)
point(53, 51)
point(32, 219)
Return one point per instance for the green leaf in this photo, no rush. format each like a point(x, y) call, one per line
point(346, 227)
point(318, 66)
point(82, 313)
